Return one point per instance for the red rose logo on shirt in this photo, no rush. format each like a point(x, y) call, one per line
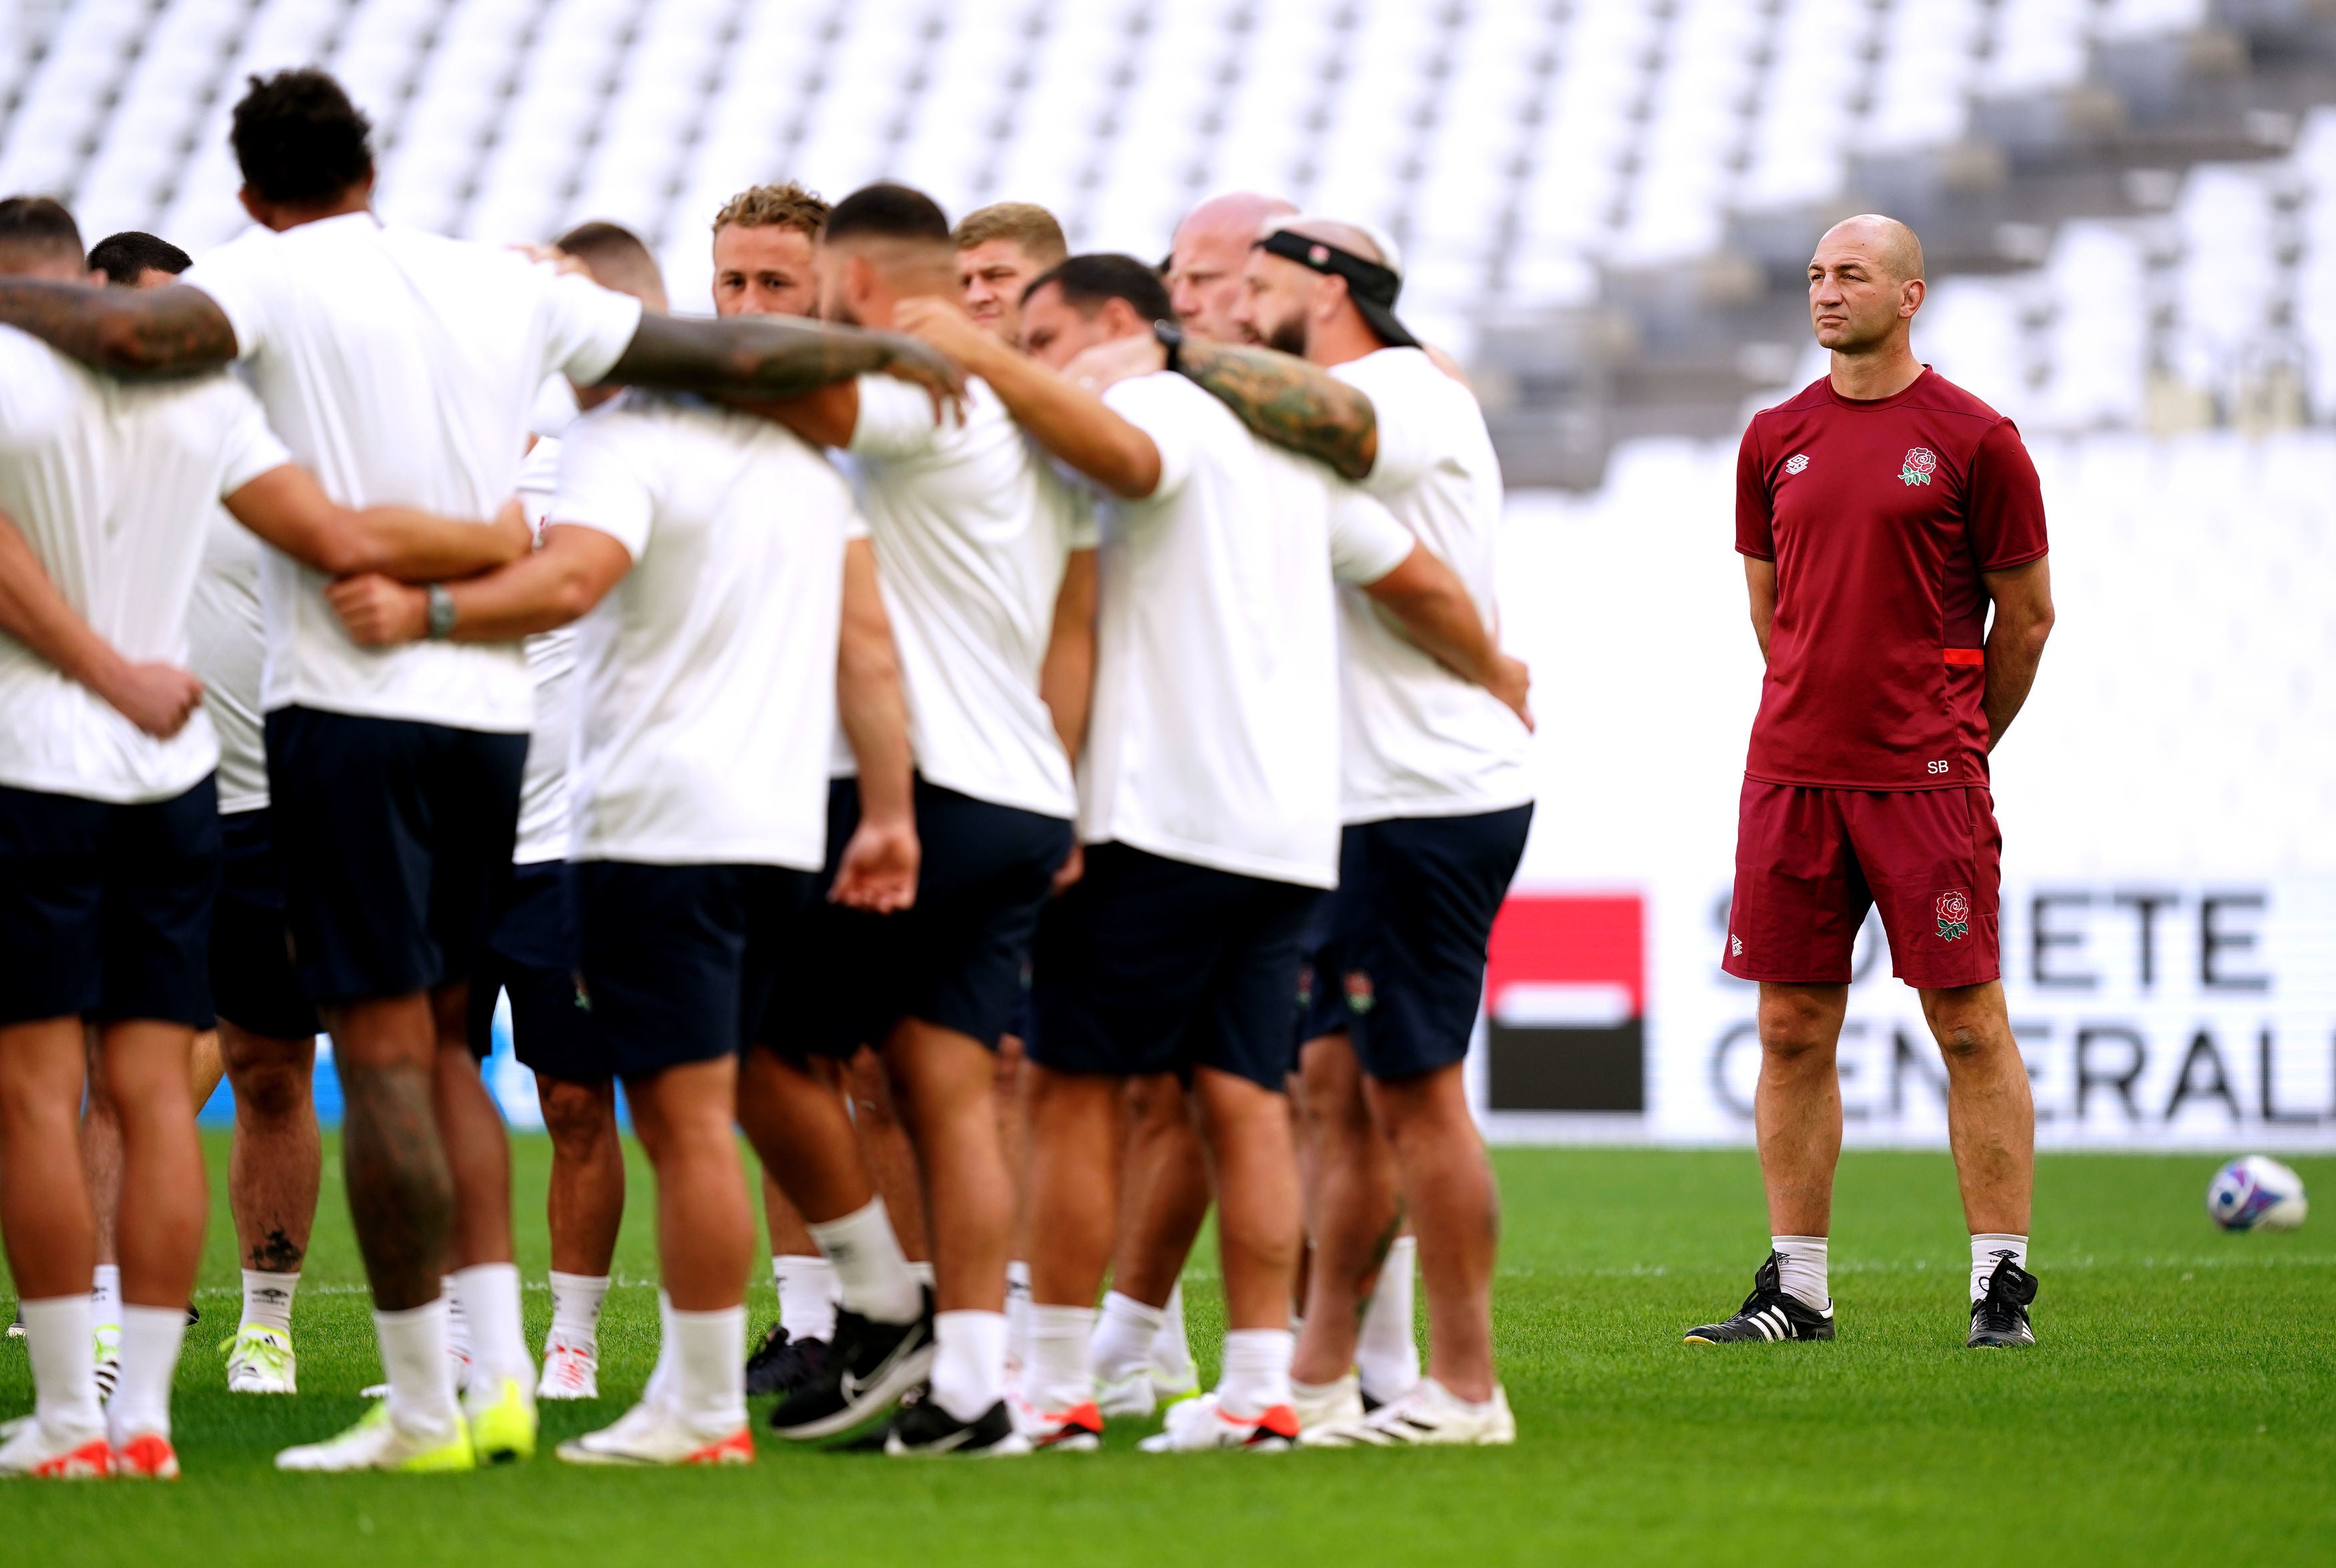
point(1921, 463)
point(1953, 910)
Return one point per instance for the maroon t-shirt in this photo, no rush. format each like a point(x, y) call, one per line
point(1881, 516)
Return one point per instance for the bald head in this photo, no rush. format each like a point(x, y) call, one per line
point(1889, 245)
point(1204, 266)
point(1348, 236)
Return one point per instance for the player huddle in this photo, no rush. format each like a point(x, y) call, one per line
point(1022, 736)
point(743, 764)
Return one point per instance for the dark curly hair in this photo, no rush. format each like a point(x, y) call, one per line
point(299, 138)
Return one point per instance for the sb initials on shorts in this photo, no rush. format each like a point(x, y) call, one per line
point(1810, 864)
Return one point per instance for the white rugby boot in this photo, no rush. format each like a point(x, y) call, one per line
point(1427, 1415)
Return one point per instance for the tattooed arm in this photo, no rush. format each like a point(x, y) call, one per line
point(136, 334)
point(760, 357)
point(1290, 402)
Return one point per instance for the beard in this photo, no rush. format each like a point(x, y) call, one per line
point(1288, 335)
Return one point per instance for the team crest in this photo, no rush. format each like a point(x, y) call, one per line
point(1796, 462)
point(1953, 910)
point(1360, 998)
point(1305, 986)
point(1921, 463)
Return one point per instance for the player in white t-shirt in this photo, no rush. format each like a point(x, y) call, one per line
point(1436, 803)
point(702, 550)
point(1209, 807)
point(402, 366)
point(109, 825)
point(974, 534)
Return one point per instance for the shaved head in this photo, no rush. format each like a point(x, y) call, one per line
point(1890, 243)
point(1211, 247)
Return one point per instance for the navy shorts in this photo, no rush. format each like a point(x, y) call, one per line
point(1396, 961)
point(390, 833)
point(678, 960)
point(532, 955)
point(252, 980)
point(955, 959)
point(1148, 965)
point(105, 910)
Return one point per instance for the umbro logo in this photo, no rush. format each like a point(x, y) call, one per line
point(1796, 462)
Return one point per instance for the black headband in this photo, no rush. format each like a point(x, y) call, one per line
point(1372, 286)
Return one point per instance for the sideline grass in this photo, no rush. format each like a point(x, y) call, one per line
point(2184, 1399)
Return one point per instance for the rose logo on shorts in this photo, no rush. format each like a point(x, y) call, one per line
point(1953, 910)
point(1305, 986)
point(1796, 462)
point(1921, 463)
point(1359, 995)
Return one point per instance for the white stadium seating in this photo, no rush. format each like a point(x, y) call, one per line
point(1510, 145)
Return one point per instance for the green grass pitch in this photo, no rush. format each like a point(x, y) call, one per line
point(2184, 1399)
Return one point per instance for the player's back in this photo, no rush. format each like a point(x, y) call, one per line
point(399, 367)
point(112, 485)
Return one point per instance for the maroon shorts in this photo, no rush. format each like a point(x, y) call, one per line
point(1809, 863)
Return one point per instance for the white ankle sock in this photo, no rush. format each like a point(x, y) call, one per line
point(458, 1331)
point(1055, 1377)
point(1984, 1248)
point(149, 1359)
point(923, 1273)
point(1803, 1271)
point(1018, 1315)
point(873, 1275)
point(268, 1300)
point(57, 1331)
point(709, 1382)
point(1256, 1376)
point(808, 1292)
point(105, 1298)
point(1387, 1352)
point(1172, 1350)
point(576, 1306)
point(1123, 1336)
point(661, 1388)
point(489, 1296)
point(421, 1378)
point(968, 1361)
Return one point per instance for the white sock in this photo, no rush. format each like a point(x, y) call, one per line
point(1172, 1350)
point(808, 1292)
point(873, 1275)
point(1803, 1270)
point(1387, 1352)
point(1018, 1315)
point(458, 1330)
point(709, 1360)
point(421, 1378)
point(489, 1296)
point(924, 1274)
point(1984, 1248)
point(268, 1300)
point(1055, 1377)
point(150, 1359)
point(661, 1389)
point(968, 1361)
point(576, 1306)
point(65, 1380)
point(105, 1298)
point(1256, 1376)
point(1123, 1336)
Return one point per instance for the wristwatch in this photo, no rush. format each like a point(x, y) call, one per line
point(441, 624)
point(1172, 338)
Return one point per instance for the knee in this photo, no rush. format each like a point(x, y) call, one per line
point(578, 1116)
point(273, 1091)
point(1968, 1024)
point(1796, 1030)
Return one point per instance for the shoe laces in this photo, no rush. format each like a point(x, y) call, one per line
point(2010, 1290)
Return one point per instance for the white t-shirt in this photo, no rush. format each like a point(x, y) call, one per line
point(706, 680)
point(112, 485)
point(971, 528)
point(550, 668)
point(1214, 734)
point(227, 646)
point(1419, 740)
point(400, 367)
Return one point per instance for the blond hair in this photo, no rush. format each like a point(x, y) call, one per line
point(1026, 224)
point(785, 206)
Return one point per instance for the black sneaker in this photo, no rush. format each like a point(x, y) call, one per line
point(921, 1426)
point(1769, 1313)
point(1998, 1318)
point(867, 1369)
point(781, 1365)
